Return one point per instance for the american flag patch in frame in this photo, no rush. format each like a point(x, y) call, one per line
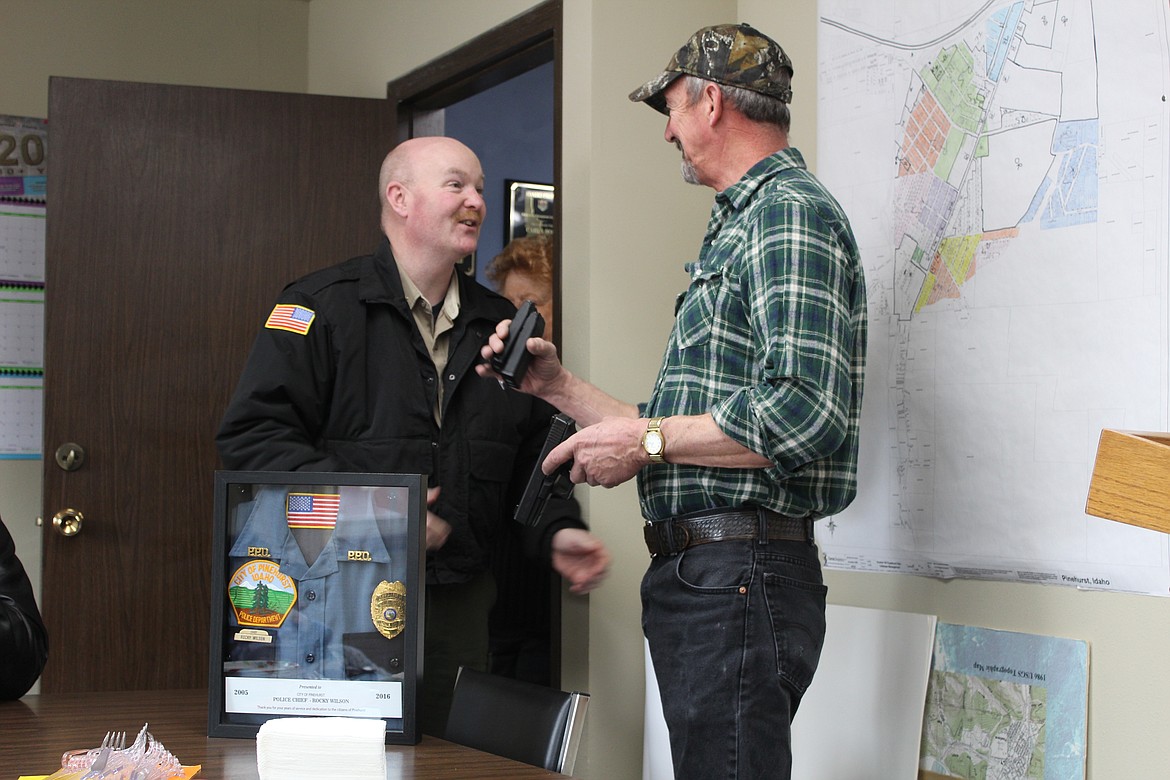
point(312, 510)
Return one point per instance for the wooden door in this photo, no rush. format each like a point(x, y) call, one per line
point(175, 216)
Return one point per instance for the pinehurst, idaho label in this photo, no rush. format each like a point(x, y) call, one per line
point(261, 595)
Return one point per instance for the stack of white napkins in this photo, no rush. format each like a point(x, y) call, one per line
point(319, 748)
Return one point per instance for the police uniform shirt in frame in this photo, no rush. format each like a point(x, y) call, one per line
point(317, 601)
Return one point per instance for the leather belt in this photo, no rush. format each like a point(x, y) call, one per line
point(672, 536)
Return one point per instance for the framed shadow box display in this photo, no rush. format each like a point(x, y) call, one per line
point(317, 599)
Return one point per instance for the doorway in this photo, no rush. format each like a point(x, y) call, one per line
point(451, 96)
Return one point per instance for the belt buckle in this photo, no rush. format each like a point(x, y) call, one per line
point(652, 532)
point(663, 534)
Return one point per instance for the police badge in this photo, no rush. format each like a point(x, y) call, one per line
point(388, 608)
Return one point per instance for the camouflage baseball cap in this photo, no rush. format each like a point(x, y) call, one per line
point(737, 55)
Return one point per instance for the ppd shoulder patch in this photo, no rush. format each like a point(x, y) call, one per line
point(290, 317)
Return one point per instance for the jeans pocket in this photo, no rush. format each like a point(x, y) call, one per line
point(714, 568)
point(795, 595)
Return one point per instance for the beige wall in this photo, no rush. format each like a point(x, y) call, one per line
point(246, 44)
point(356, 46)
point(629, 225)
point(242, 44)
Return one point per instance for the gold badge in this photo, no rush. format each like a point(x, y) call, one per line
point(388, 608)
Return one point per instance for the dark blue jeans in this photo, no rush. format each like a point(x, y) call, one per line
point(735, 631)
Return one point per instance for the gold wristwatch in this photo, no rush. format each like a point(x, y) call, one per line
point(653, 442)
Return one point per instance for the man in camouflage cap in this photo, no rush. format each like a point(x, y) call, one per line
point(751, 430)
point(729, 54)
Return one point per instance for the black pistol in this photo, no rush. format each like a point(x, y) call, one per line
point(541, 487)
point(513, 361)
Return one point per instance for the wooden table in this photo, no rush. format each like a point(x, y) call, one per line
point(36, 730)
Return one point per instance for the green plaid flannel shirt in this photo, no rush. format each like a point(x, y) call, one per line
point(770, 338)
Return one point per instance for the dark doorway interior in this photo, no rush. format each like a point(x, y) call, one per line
point(510, 127)
point(500, 93)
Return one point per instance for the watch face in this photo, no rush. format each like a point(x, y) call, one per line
point(653, 442)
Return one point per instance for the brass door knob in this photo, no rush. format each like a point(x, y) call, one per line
point(67, 522)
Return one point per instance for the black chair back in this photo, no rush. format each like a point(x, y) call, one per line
point(517, 719)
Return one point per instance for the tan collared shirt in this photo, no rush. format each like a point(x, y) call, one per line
point(435, 327)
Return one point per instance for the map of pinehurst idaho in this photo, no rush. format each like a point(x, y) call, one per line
point(947, 130)
point(1004, 166)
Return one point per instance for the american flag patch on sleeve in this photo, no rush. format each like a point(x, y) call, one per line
point(287, 316)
